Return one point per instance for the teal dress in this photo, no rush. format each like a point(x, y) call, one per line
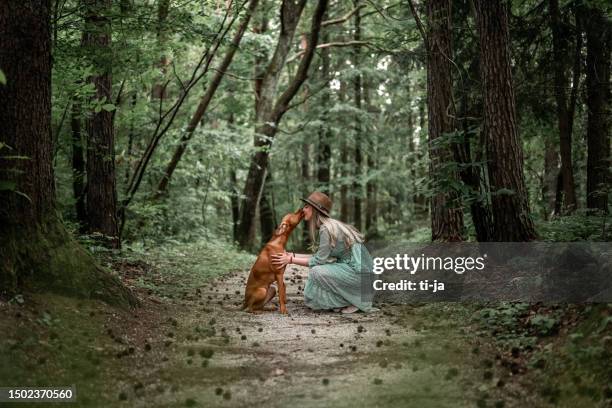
point(347, 281)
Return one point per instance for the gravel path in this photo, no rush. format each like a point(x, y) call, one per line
point(229, 358)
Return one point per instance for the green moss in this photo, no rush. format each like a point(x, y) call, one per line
point(48, 258)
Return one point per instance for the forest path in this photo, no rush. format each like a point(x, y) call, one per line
point(400, 356)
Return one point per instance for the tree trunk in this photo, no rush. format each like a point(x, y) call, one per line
point(344, 199)
point(305, 177)
point(270, 109)
point(510, 208)
point(357, 186)
point(599, 42)
point(130, 148)
point(101, 190)
point(323, 156)
point(36, 251)
point(371, 215)
point(470, 175)
point(267, 219)
point(305, 158)
point(412, 153)
point(235, 202)
point(205, 101)
point(78, 166)
point(446, 211)
point(421, 201)
point(468, 153)
point(25, 113)
point(159, 88)
point(234, 191)
point(561, 55)
point(551, 176)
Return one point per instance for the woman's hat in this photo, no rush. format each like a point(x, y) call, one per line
point(320, 202)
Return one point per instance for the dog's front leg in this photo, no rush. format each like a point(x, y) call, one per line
point(282, 293)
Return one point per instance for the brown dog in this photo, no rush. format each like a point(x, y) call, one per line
point(263, 272)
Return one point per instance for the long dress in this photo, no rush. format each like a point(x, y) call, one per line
point(347, 281)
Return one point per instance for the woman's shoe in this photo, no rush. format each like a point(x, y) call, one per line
point(350, 309)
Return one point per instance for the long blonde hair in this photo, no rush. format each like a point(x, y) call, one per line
point(351, 234)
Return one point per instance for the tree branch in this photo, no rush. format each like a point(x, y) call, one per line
point(381, 12)
point(343, 18)
point(302, 72)
point(330, 44)
point(418, 23)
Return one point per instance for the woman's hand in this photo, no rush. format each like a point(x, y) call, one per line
point(281, 259)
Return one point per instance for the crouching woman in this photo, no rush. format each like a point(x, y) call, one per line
point(340, 275)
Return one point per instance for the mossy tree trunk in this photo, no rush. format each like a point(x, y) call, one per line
point(36, 251)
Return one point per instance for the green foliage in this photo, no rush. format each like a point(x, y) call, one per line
point(187, 266)
point(544, 325)
point(390, 126)
point(577, 227)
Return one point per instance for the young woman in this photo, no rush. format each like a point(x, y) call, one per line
point(344, 283)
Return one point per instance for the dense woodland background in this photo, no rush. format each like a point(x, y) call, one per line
point(181, 120)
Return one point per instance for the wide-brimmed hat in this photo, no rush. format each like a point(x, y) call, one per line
point(320, 202)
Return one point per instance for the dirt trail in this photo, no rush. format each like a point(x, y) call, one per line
point(229, 358)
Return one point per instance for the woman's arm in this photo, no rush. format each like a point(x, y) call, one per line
point(301, 259)
point(319, 258)
point(286, 258)
point(302, 256)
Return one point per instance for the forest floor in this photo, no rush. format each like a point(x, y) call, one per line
point(189, 344)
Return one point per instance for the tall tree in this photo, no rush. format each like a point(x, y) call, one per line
point(267, 215)
point(101, 181)
point(78, 165)
point(509, 205)
point(305, 178)
point(446, 212)
point(270, 108)
point(357, 183)
point(599, 104)
point(344, 156)
point(422, 201)
point(551, 180)
point(163, 9)
point(560, 31)
point(36, 250)
point(371, 213)
point(469, 150)
point(305, 157)
point(323, 156)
